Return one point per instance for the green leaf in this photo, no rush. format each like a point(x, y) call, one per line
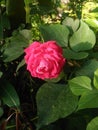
point(27, 34)
point(54, 101)
point(83, 39)
point(92, 22)
point(20, 65)
point(55, 32)
point(13, 50)
point(88, 68)
point(9, 95)
point(88, 100)
point(80, 85)
point(14, 46)
point(96, 79)
point(69, 54)
point(74, 24)
point(93, 124)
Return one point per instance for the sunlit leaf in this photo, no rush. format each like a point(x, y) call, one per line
point(83, 38)
point(93, 124)
point(80, 85)
point(96, 79)
point(74, 24)
point(92, 22)
point(88, 100)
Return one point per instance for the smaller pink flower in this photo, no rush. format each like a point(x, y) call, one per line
point(45, 60)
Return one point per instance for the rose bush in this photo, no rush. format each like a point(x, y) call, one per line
point(44, 61)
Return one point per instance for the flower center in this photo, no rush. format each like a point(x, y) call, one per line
point(43, 67)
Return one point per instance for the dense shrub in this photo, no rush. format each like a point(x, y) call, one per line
point(57, 42)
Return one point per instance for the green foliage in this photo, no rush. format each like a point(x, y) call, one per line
point(88, 68)
point(70, 54)
point(16, 12)
point(15, 45)
point(88, 100)
point(9, 95)
point(55, 32)
point(93, 124)
point(54, 101)
point(92, 22)
point(80, 85)
point(83, 39)
point(69, 101)
point(96, 78)
point(89, 95)
point(73, 24)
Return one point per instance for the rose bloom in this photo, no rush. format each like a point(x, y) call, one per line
point(45, 60)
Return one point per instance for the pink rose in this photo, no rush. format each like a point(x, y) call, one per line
point(45, 60)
